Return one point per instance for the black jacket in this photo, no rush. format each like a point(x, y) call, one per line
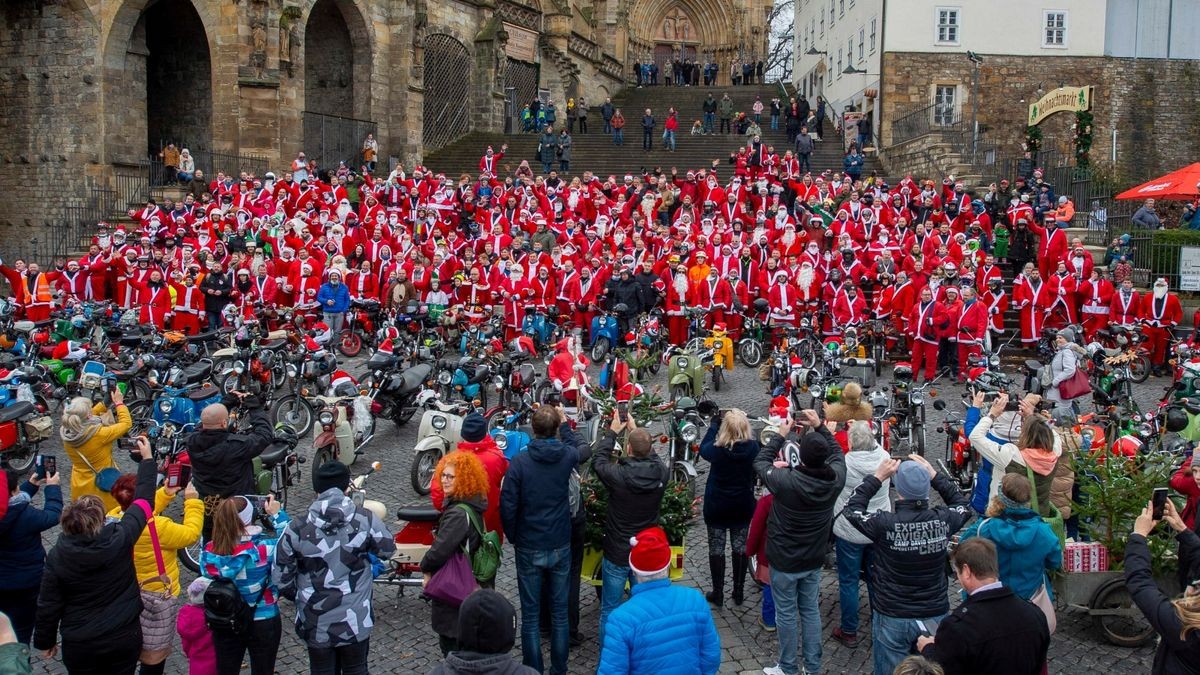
point(222, 461)
point(635, 490)
point(217, 289)
point(628, 292)
point(911, 543)
point(534, 504)
point(454, 528)
point(648, 122)
point(992, 632)
point(1173, 655)
point(729, 493)
point(89, 587)
point(801, 515)
point(710, 105)
point(648, 295)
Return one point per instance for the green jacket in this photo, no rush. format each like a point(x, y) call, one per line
point(725, 107)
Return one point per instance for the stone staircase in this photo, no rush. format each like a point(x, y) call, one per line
point(594, 150)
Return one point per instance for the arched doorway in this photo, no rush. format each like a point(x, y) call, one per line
point(337, 90)
point(178, 76)
point(447, 109)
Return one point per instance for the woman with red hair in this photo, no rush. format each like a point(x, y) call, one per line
point(465, 484)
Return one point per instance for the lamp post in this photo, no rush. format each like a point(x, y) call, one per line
point(976, 59)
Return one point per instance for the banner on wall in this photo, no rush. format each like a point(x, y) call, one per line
point(522, 43)
point(1063, 99)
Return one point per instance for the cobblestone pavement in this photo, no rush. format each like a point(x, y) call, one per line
point(403, 641)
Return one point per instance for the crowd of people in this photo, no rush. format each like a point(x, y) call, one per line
point(937, 264)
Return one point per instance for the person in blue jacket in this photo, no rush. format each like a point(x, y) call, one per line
point(1026, 547)
point(852, 164)
point(334, 298)
point(663, 629)
point(22, 556)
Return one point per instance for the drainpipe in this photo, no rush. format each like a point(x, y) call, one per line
point(879, 96)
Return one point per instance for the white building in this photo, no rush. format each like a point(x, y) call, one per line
point(831, 37)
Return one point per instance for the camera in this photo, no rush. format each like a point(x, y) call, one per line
point(129, 445)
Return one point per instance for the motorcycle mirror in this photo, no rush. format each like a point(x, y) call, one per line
point(707, 408)
point(939, 405)
point(376, 466)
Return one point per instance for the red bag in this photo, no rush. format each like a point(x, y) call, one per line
point(1075, 386)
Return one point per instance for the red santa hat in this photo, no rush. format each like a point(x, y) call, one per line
point(627, 392)
point(650, 553)
point(779, 410)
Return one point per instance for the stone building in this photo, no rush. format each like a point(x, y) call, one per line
point(90, 89)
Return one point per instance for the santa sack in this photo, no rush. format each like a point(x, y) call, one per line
point(764, 372)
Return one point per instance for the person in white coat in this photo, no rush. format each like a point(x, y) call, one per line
point(853, 548)
point(1035, 454)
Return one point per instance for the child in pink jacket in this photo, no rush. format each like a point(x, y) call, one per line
point(193, 631)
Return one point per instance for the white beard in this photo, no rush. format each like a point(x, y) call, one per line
point(618, 237)
point(805, 278)
point(788, 238)
point(1160, 292)
point(573, 199)
point(343, 210)
point(680, 284)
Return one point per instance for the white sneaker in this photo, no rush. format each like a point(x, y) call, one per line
point(773, 670)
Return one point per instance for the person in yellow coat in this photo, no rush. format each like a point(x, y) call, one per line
point(158, 618)
point(89, 443)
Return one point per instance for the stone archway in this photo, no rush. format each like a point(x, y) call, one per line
point(447, 106)
point(337, 82)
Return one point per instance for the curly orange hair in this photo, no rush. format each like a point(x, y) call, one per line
point(470, 478)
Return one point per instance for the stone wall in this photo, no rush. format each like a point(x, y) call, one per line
point(1150, 102)
point(328, 62)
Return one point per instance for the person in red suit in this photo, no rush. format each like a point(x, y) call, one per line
point(188, 306)
point(512, 292)
point(947, 348)
point(714, 295)
point(849, 307)
point(265, 287)
point(568, 368)
point(783, 297)
point(541, 290)
point(361, 283)
point(1161, 312)
point(926, 322)
point(154, 297)
point(741, 303)
point(995, 301)
point(1125, 308)
point(675, 302)
point(1079, 264)
point(39, 298)
point(584, 298)
point(1057, 300)
point(1052, 244)
point(904, 297)
point(73, 282)
point(972, 323)
point(1095, 299)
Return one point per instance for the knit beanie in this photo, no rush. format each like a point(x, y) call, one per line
point(912, 481)
point(487, 623)
point(474, 428)
point(331, 474)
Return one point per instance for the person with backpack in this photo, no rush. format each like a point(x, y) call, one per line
point(459, 529)
point(89, 585)
point(239, 604)
point(337, 542)
point(535, 507)
point(475, 439)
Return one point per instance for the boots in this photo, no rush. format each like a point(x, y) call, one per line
point(741, 563)
point(716, 568)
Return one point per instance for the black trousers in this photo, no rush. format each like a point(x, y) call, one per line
point(647, 139)
point(116, 654)
point(262, 642)
point(344, 660)
point(724, 125)
point(20, 605)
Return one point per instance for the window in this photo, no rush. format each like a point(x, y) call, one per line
point(822, 25)
point(850, 51)
point(945, 99)
point(838, 73)
point(1055, 33)
point(832, 8)
point(873, 20)
point(947, 25)
point(861, 44)
point(841, 7)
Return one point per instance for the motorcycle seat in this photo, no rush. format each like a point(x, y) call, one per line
point(272, 345)
point(273, 454)
point(204, 337)
point(1193, 407)
point(203, 392)
point(16, 411)
point(414, 377)
point(418, 513)
point(197, 372)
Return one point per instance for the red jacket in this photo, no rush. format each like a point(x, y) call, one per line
point(495, 464)
point(1183, 483)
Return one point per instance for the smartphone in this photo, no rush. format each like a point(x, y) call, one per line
point(1159, 502)
point(623, 410)
point(39, 467)
point(49, 466)
point(927, 627)
point(259, 501)
point(178, 475)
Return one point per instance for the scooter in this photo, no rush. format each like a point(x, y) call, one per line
point(604, 334)
point(22, 428)
point(439, 434)
point(344, 427)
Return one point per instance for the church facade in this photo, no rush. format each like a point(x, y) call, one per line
point(92, 90)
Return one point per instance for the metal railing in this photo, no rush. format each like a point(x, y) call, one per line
point(930, 118)
point(330, 139)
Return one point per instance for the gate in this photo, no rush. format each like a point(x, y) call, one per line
point(447, 110)
point(329, 139)
point(521, 88)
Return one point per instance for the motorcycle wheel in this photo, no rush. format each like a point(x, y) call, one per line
point(403, 414)
point(295, 412)
point(718, 377)
point(1125, 627)
point(751, 353)
point(19, 460)
point(680, 475)
point(917, 442)
point(600, 349)
point(543, 389)
point(421, 473)
point(189, 557)
point(142, 413)
point(1123, 393)
point(879, 353)
point(496, 419)
point(807, 354)
point(139, 390)
point(1139, 368)
point(655, 364)
point(324, 454)
point(228, 382)
point(679, 391)
point(349, 344)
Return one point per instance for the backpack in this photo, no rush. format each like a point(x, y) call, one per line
point(226, 610)
point(485, 560)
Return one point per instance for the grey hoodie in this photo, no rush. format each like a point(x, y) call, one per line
point(462, 663)
point(332, 590)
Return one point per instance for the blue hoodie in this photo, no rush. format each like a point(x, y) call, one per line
point(22, 555)
point(534, 499)
point(1026, 548)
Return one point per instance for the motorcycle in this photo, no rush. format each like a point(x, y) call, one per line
point(439, 433)
point(344, 427)
point(903, 425)
point(605, 334)
point(361, 324)
point(306, 377)
point(683, 439)
point(754, 335)
point(960, 461)
point(22, 428)
point(687, 372)
point(394, 391)
point(1128, 340)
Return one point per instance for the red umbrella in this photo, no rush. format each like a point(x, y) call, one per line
point(1179, 184)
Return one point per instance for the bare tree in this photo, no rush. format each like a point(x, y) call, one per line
point(781, 23)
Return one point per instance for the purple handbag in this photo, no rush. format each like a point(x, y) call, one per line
point(453, 582)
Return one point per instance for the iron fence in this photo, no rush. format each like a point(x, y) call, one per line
point(933, 117)
point(330, 139)
point(132, 184)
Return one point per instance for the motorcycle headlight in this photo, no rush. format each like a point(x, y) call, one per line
point(325, 418)
point(444, 377)
point(291, 370)
point(165, 405)
point(438, 422)
point(1145, 431)
point(501, 441)
point(689, 432)
point(683, 362)
point(498, 382)
point(239, 367)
